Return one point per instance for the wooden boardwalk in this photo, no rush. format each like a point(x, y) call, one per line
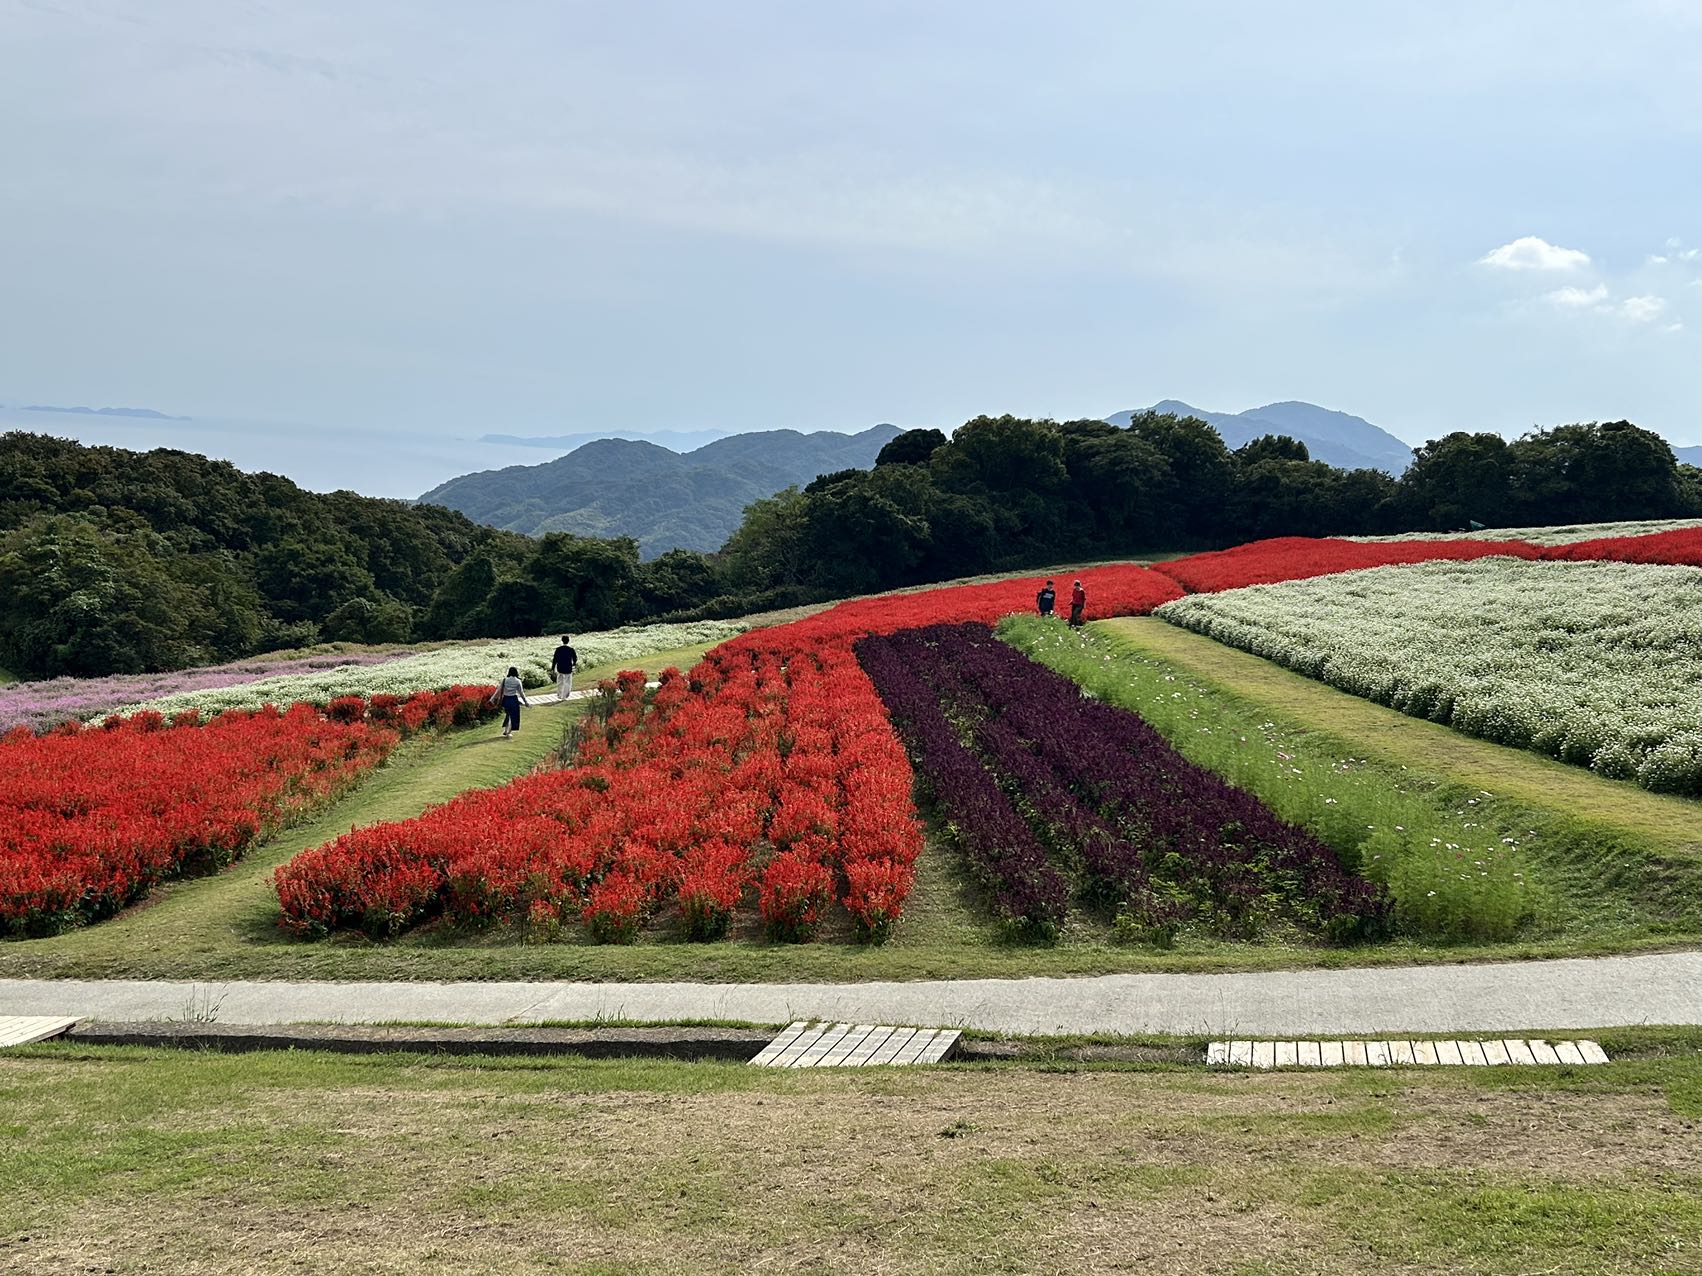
point(845, 1045)
point(1400, 1054)
point(20, 1030)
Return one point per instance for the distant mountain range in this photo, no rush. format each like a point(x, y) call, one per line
point(673, 440)
point(662, 498)
point(1348, 441)
point(692, 494)
point(147, 414)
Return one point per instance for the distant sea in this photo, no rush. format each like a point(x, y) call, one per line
point(321, 458)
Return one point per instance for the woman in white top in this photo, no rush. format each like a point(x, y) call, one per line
point(512, 695)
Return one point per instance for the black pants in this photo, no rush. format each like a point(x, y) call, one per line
point(1075, 613)
point(511, 713)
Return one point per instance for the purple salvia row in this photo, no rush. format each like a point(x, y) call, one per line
point(1028, 893)
point(1100, 779)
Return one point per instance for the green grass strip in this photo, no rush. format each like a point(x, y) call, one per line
point(1511, 844)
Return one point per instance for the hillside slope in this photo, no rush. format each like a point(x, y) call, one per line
point(663, 499)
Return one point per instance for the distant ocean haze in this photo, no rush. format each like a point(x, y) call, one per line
point(373, 462)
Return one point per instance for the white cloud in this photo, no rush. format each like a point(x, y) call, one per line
point(1641, 309)
point(1577, 298)
point(1531, 253)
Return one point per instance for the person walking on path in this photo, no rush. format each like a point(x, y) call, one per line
point(1078, 604)
point(1046, 599)
point(513, 695)
point(562, 664)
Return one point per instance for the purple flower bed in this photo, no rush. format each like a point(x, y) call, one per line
point(42, 705)
point(1029, 895)
point(1154, 836)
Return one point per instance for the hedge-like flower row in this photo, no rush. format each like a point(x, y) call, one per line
point(92, 818)
point(457, 664)
point(1597, 663)
point(670, 805)
point(1021, 761)
point(1269, 562)
point(773, 767)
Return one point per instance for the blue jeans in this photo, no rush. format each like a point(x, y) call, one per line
point(511, 713)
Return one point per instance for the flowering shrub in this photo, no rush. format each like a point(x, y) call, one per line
point(1021, 760)
point(1299, 558)
point(406, 672)
point(1563, 534)
point(92, 818)
point(1678, 546)
point(46, 703)
point(772, 764)
point(1595, 663)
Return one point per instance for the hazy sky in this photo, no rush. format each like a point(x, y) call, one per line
point(432, 220)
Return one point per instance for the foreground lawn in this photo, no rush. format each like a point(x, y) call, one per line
point(129, 1161)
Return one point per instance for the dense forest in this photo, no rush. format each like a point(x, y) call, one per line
point(117, 562)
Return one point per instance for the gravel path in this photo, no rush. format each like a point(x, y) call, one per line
point(1588, 993)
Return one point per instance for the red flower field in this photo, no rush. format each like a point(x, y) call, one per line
point(92, 817)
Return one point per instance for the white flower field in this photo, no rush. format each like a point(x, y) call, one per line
point(1595, 663)
point(1566, 534)
point(467, 663)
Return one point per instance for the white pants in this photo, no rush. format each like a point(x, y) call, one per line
point(564, 685)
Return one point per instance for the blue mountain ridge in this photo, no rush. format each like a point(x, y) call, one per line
point(1348, 441)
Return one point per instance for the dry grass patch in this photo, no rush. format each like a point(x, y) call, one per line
point(148, 1161)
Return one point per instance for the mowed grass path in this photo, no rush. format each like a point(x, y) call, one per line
point(1672, 825)
point(132, 1160)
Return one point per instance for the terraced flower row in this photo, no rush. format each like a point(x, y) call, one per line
point(772, 769)
point(91, 819)
point(665, 807)
point(456, 665)
point(1049, 793)
point(1595, 663)
point(632, 833)
point(1301, 558)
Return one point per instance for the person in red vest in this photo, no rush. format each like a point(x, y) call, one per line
point(1078, 603)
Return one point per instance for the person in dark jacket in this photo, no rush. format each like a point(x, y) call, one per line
point(562, 664)
point(1078, 604)
point(512, 694)
point(1046, 599)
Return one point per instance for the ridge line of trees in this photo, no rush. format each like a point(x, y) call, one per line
point(114, 561)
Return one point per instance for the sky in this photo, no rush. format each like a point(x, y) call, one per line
point(349, 239)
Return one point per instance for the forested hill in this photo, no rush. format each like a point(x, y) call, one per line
point(113, 561)
point(662, 499)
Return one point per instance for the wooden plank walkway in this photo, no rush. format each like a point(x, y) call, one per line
point(1398, 1054)
point(846, 1045)
point(20, 1030)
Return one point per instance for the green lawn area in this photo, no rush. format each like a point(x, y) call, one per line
point(137, 1160)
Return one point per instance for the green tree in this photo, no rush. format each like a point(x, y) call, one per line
point(1595, 473)
point(1457, 479)
point(80, 600)
point(1201, 467)
point(913, 447)
point(770, 548)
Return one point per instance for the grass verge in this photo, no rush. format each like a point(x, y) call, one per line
point(1484, 840)
point(144, 1160)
